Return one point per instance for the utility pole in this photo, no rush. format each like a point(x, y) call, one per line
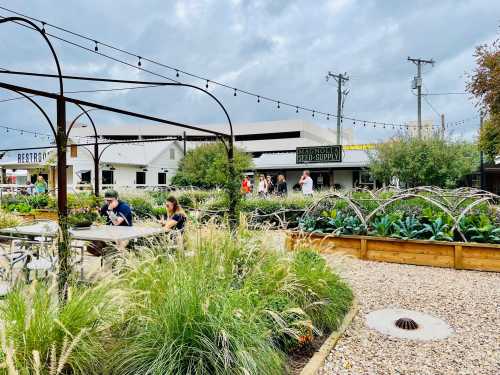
point(417, 84)
point(481, 155)
point(339, 78)
point(442, 125)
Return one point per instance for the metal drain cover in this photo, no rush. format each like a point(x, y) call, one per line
point(407, 324)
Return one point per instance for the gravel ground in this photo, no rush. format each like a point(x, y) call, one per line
point(468, 301)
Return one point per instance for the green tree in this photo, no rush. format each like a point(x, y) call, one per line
point(484, 84)
point(429, 161)
point(207, 166)
point(489, 137)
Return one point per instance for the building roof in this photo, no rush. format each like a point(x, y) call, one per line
point(307, 129)
point(287, 160)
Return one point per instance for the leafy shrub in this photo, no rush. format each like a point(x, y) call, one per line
point(407, 229)
point(8, 220)
point(42, 337)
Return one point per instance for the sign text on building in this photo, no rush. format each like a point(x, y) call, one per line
point(31, 157)
point(319, 154)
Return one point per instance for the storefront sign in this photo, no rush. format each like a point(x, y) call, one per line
point(319, 154)
point(31, 157)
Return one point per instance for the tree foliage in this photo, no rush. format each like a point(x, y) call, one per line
point(207, 166)
point(489, 137)
point(484, 84)
point(428, 161)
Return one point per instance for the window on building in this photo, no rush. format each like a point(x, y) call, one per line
point(140, 178)
point(172, 154)
point(162, 178)
point(86, 177)
point(107, 177)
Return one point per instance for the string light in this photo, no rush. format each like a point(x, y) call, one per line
point(278, 105)
point(176, 69)
point(328, 116)
point(234, 92)
point(296, 109)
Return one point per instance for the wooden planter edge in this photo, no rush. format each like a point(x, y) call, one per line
point(458, 255)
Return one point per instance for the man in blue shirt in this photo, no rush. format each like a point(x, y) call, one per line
point(116, 211)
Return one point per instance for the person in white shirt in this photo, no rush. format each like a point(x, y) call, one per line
point(262, 190)
point(306, 183)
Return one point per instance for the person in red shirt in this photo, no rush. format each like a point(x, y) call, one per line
point(246, 186)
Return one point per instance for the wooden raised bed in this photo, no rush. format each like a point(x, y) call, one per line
point(458, 255)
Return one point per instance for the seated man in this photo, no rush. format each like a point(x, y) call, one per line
point(117, 213)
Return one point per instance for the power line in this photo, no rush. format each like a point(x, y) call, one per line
point(96, 43)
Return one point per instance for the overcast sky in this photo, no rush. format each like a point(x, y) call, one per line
point(281, 49)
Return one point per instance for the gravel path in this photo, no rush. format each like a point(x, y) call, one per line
point(468, 301)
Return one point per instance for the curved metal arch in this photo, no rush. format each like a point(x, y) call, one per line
point(412, 195)
point(34, 26)
point(349, 201)
point(467, 209)
point(33, 101)
point(84, 112)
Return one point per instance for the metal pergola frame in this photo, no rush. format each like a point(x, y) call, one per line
point(61, 138)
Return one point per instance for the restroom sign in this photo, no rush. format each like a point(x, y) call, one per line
point(36, 157)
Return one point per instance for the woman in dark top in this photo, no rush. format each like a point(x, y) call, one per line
point(281, 188)
point(176, 219)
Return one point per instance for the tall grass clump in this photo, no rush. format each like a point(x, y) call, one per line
point(41, 336)
point(224, 305)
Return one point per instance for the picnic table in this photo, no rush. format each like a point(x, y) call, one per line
point(106, 233)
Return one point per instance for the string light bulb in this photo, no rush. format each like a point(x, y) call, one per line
point(279, 105)
point(96, 48)
point(43, 27)
point(206, 85)
point(258, 99)
point(313, 114)
point(364, 123)
point(328, 116)
point(297, 109)
point(234, 92)
point(139, 62)
point(176, 73)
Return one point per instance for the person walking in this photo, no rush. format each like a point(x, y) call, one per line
point(306, 183)
point(262, 189)
point(281, 187)
point(41, 186)
point(246, 186)
point(270, 185)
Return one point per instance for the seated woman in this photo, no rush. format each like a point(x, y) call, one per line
point(176, 219)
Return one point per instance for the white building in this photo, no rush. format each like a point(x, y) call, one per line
point(272, 144)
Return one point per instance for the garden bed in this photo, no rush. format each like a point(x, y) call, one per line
point(458, 255)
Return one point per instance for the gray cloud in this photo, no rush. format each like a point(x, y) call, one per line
point(281, 49)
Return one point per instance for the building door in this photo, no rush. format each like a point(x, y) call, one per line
point(108, 177)
point(321, 180)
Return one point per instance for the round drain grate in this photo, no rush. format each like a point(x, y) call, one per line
point(406, 323)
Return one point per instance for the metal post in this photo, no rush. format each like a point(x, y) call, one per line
point(96, 167)
point(62, 203)
point(419, 99)
point(184, 142)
